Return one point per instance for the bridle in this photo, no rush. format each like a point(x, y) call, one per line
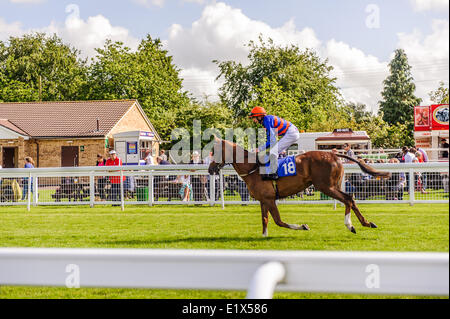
point(251, 172)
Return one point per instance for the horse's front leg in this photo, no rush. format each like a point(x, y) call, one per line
point(277, 218)
point(265, 219)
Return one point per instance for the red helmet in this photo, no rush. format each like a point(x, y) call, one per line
point(258, 111)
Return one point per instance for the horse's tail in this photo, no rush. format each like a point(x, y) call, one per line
point(366, 168)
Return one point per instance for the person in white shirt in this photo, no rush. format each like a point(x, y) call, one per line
point(407, 155)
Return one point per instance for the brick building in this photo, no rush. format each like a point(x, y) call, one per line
point(67, 133)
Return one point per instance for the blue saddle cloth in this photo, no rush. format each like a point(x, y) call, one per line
point(287, 167)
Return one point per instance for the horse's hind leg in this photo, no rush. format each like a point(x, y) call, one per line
point(265, 219)
point(361, 218)
point(272, 206)
point(349, 205)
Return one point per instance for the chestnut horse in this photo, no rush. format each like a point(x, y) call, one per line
point(324, 170)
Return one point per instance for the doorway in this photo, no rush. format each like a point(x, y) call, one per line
point(69, 156)
point(9, 157)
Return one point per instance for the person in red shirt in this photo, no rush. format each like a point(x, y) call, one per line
point(115, 193)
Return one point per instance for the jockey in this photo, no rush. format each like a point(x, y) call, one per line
point(275, 126)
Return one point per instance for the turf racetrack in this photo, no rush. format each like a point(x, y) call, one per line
point(401, 228)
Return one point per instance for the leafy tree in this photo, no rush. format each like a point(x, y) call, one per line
point(297, 82)
point(399, 100)
point(440, 96)
point(148, 75)
point(36, 61)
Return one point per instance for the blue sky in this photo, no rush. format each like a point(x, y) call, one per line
point(190, 28)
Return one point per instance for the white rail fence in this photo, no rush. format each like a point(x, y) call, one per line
point(258, 272)
point(169, 185)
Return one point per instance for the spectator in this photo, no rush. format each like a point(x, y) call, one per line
point(348, 150)
point(424, 160)
point(102, 181)
point(424, 154)
point(148, 158)
point(444, 144)
point(161, 161)
point(418, 156)
point(129, 187)
point(418, 178)
point(163, 155)
point(186, 188)
point(198, 182)
point(29, 163)
point(396, 184)
point(115, 193)
point(208, 160)
point(408, 157)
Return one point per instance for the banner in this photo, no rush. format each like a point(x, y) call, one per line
point(422, 121)
point(440, 117)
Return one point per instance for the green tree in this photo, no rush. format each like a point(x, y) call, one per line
point(399, 100)
point(440, 96)
point(298, 83)
point(147, 75)
point(37, 63)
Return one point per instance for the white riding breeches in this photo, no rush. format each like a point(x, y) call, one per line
point(291, 137)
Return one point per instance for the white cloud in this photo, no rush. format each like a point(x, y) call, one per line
point(222, 33)
point(85, 35)
point(27, 1)
point(425, 5)
point(428, 55)
point(160, 3)
point(359, 76)
point(149, 3)
point(9, 30)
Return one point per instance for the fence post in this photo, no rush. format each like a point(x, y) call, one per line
point(221, 190)
point(150, 188)
point(35, 191)
point(30, 181)
point(411, 187)
point(91, 189)
point(265, 280)
point(212, 190)
point(122, 195)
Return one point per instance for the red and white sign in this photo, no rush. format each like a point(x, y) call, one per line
point(431, 118)
point(440, 114)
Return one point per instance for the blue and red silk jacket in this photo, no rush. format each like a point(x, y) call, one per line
point(276, 125)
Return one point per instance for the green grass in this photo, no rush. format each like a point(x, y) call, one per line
point(401, 228)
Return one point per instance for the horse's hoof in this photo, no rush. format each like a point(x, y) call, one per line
point(305, 227)
point(353, 230)
point(372, 225)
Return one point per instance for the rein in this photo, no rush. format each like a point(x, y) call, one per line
point(251, 172)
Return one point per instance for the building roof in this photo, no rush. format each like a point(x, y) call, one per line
point(12, 127)
point(345, 135)
point(64, 119)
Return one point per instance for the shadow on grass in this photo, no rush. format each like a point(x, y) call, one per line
point(197, 240)
point(225, 240)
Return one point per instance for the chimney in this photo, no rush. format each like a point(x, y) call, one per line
point(98, 125)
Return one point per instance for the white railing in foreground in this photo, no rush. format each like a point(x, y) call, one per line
point(258, 271)
point(153, 185)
